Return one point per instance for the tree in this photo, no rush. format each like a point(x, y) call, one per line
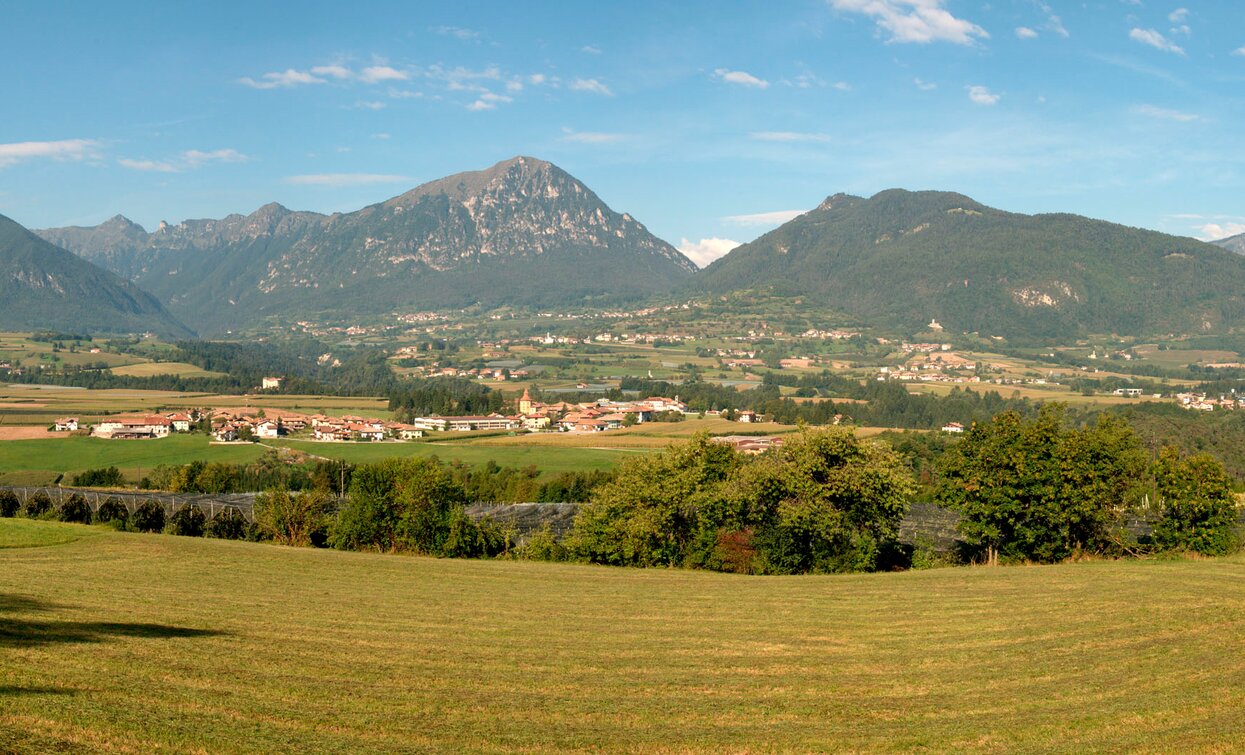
point(112, 510)
point(228, 524)
point(188, 521)
point(1198, 510)
point(1038, 489)
point(149, 516)
point(75, 509)
point(292, 519)
point(9, 503)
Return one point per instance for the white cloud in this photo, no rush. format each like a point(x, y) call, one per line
point(373, 74)
point(590, 49)
point(1239, 52)
point(188, 160)
point(1024, 32)
point(1178, 16)
point(66, 149)
point(335, 71)
point(369, 105)
point(148, 165)
point(345, 179)
point(457, 32)
point(1166, 113)
point(924, 86)
point(537, 79)
point(919, 21)
point(706, 250)
point(1053, 22)
point(590, 137)
point(382, 135)
point(1215, 231)
point(282, 79)
point(591, 85)
point(742, 78)
point(1155, 39)
point(788, 136)
point(194, 158)
point(982, 96)
point(777, 217)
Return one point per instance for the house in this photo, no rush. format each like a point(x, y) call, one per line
point(408, 432)
point(332, 432)
point(746, 416)
point(271, 383)
point(269, 428)
point(1130, 392)
point(225, 433)
point(181, 422)
point(66, 424)
point(366, 432)
point(134, 427)
point(953, 427)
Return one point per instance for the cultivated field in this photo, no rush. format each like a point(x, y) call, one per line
point(32, 462)
point(133, 643)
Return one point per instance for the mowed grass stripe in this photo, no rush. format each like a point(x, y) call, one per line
point(328, 651)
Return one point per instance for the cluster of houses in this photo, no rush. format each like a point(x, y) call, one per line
point(136, 427)
point(1202, 403)
point(594, 416)
point(236, 424)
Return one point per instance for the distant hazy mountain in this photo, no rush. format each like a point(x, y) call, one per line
point(45, 287)
point(904, 258)
point(522, 232)
point(1232, 243)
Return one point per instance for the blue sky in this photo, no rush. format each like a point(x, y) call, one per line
point(708, 121)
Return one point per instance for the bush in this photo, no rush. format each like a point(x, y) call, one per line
point(112, 510)
point(109, 477)
point(9, 503)
point(292, 519)
point(188, 521)
point(37, 505)
point(402, 504)
point(1198, 508)
point(543, 545)
point(228, 524)
point(149, 516)
point(75, 509)
point(467, 538)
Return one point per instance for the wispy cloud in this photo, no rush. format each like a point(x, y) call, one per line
point(457, 32)
point(292, 77)
point(1155, 39)
point(915, 21)
point(65, 149)
point(741, 78)
point(924, 86)
point(345, 179)
point(188, 160)
point(777, 217)
point(788, 136)
point(489, 101)
point(1053, 23)
point(282, 79)
point(1024, 32)
point(590, 50)
point(590, 137)
point(1216, 231)
point(1167, 114)
point(982, 96)
point(591, 85)
point(1239, 52)
point(706, 250)
point(374, 74)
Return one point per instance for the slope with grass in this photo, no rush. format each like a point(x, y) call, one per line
point(132, 643)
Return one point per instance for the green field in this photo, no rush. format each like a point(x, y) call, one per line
point(134, 643)
point(181, 369)
point(74, 454)
point(549, 460)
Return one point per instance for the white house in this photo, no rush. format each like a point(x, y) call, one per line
point(953, 427)
point(134, 427)
point(66, 424)
point(271, 383)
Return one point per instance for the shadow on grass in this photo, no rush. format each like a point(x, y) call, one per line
point(25, 632)
point(13, 690)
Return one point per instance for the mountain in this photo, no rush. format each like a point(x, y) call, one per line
point(522, 232)
point(903, 258)
point(1232, 243)
point(44, 286)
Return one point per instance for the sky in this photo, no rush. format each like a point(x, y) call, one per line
point(710, 122)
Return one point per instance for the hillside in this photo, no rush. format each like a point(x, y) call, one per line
point(45, 287)
point(522, 232)
point(903, 258)
point(119, 642)
point(1232, 243)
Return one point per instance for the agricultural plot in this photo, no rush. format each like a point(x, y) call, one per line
point(180, 369)
point(68, 455)
point(121, 642)
point(549, 461)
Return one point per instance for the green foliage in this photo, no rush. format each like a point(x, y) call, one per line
point(37, 505)
point(1198, 510)
point(544, 545)
point(148, 517)
point(108, 477)
point(825, 501)
point(9, 504)
point(443, 396)
point(112, 510)
point(292, 519)
point(75, 509)
point(228, 524)
point(188, 521)
point(1040, 490)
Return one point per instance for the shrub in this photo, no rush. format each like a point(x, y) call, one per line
point(37, 505)
point(466, 538)
point(543, 545)
point(75, 509)
point(149, 516)
point(112, 510)
point(401, 504)
point(1198, 508)
point(228, 524)
point(292, 519)
point(109, 477)
point(9, 503)
point(188, 521)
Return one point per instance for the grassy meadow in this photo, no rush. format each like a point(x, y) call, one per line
point(118, 642)
point(39, 461)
